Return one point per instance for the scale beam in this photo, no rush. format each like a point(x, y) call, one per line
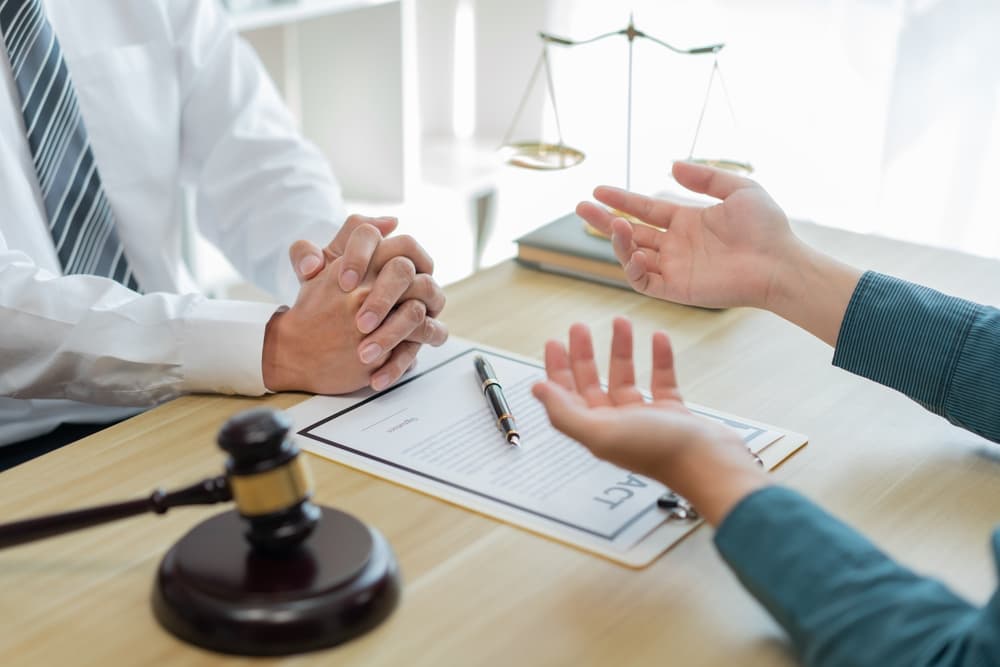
point(631, 32)
point(547, 155)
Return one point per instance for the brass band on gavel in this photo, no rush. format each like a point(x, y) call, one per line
point(273, 490)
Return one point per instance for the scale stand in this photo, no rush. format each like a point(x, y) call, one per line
point(551, 156)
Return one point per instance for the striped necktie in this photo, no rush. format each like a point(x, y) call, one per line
point(80, 218)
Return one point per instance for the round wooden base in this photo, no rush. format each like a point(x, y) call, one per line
point(215, 591)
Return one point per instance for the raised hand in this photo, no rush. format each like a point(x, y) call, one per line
point(701, 459)
point(739, 252)
point(315, 345)
point(728, 254)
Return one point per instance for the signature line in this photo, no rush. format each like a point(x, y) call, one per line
point(383, 419)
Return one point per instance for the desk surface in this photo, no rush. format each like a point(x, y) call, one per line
point(478, 592)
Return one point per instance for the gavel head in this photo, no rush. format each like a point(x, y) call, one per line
point(269, 480)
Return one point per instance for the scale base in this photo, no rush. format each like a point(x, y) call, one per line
point(213, 590)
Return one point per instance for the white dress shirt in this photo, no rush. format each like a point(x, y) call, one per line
point(171, 99)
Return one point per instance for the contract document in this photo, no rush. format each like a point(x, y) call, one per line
point(435, 432)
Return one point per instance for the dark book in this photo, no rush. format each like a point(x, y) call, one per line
point(565, 247)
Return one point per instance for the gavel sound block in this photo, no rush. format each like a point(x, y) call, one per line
point(279, 575)
point(305, 577)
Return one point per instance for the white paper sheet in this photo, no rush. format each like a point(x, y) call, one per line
point(435, 432)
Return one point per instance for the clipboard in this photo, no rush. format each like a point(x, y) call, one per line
point(433, 432)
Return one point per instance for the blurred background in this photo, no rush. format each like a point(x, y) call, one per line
point(879, 116)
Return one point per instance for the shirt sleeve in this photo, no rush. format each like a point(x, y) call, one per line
point(91, 339)
point(941, 351)
point(844, 602)
point(259, 185)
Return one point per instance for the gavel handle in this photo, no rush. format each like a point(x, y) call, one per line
point(205, 492)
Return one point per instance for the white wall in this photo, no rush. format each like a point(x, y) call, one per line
point(873, 115)
point(876, 116)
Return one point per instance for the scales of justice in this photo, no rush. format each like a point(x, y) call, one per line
point(544, 155)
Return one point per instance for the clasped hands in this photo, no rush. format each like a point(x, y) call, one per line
point(367, 303)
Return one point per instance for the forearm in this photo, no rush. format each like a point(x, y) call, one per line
point(253, 211)
point(939, 350)
point(841, 600)
point(259, 185)
point(812, 291)
point(91, 339)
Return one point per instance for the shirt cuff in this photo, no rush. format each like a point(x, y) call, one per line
point(904, 336)
point(776, 536)
point(739, 534)
point(221, 346)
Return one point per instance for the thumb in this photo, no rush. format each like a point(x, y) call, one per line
point(307, 260)
point(711, 181)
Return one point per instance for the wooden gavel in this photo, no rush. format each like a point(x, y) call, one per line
point(277, 576)
point(264, 475)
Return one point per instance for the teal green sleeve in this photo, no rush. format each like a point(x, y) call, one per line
point(844, 602)
point(841, 600)
point(941, 351)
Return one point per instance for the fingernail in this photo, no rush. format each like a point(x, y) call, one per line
point(370, 353)
point(380, 382)
point(308, 264)
point(368, 322)
point(348, 280)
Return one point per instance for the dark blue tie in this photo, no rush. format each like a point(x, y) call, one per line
point(80, 217)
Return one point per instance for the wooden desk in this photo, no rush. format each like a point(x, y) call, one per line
point(478, 592)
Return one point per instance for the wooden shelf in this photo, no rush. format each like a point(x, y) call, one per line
point(283, 12)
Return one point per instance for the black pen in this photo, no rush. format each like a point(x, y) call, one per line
point(494, 395)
